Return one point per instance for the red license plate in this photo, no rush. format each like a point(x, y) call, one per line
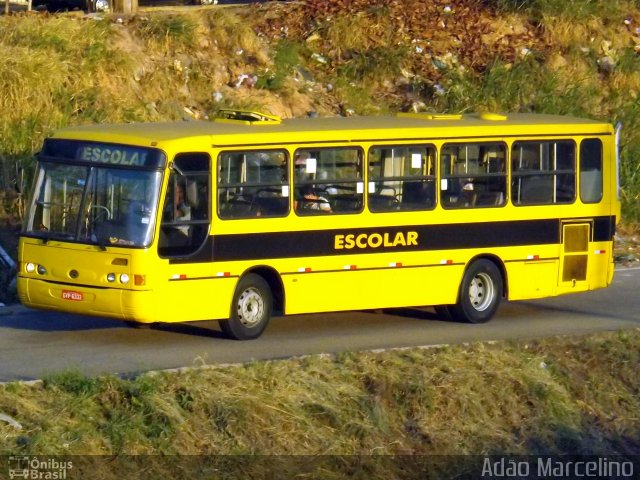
point(72, 295)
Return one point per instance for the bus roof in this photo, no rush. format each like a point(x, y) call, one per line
point(418, 127)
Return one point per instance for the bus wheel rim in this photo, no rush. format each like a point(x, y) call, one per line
point(250, 307)
point(481, 292)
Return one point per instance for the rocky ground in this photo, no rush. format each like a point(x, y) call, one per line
point(627, 247)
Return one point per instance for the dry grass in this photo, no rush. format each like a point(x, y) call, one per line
point(231, 33)
point(563, 395)
point(360, 32)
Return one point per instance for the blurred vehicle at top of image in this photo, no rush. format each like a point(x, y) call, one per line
point(152, 3)
point(71, 5)
point(104, 5)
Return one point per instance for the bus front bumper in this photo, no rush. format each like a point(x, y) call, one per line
point(122, 304)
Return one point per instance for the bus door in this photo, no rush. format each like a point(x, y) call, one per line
point(185, 216)
point(574, 256)
point(184, 243)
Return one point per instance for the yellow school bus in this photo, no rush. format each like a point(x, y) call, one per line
point(238, 217)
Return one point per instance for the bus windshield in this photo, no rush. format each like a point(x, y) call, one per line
point(99, 205)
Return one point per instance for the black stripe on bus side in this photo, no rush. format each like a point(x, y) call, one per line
point(258, 246)
point(429, 237)
point(604, 228)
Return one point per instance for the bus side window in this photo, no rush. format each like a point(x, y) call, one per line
point(401, 178)
point(328, 180)
point(543, 173)
point(591, 170)
point(185, 214)
point(474, 175)
point(253, 184)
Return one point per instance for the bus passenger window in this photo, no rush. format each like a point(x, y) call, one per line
point(401, 178)
point(253, 184)
point(328, 180)
point(185, 213)
point(474, 175)
point(543, 173)
point(591, 170)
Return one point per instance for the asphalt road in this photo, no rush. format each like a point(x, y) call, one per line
point(33, 343)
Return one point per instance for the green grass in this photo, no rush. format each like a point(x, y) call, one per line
point(71, 381)
point(374, 65)
point(286, 57)
point(523, 86)
point(554, 396)
point(175, 31)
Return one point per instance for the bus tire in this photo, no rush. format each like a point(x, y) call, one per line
point(480, 293)
point(250, 309)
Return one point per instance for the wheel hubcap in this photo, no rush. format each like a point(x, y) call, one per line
point(481, 292)
point(250, 308)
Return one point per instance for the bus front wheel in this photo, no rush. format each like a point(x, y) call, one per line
point(480, 293)
point(250, 309)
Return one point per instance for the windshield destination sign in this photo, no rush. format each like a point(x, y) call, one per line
point(103, 153)
point(114, 155)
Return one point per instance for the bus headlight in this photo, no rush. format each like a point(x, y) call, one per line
point(30, 267)
point(41, 270)
point(111, 277)
point(124, 278)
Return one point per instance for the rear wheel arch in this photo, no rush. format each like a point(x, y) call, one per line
point(480, 291)
point(497, 261)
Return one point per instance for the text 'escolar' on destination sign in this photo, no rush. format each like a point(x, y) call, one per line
point(114, 155)
point(104, 153)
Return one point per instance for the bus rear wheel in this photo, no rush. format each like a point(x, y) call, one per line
point(480, 293)
point(250, 310)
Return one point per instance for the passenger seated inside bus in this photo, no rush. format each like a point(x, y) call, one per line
point(176, 209)
point(309, 199)
point(458, 193)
